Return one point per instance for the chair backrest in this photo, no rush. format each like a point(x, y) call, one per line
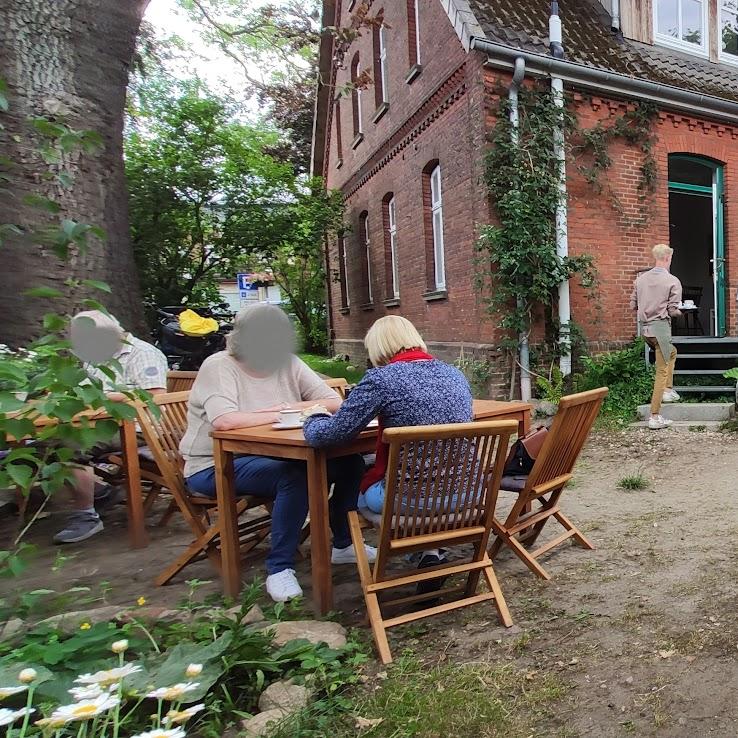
point(164, 433)
point(566, 438)
point(441, 484)
point(339, 384)
point(180, 381)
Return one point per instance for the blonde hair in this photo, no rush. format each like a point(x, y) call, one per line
point(102, 320)
point(661, 251)
point(390, 335)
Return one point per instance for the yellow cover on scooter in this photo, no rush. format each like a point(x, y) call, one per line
point(192, 324)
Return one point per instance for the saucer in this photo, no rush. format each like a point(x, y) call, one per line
point(287, 426)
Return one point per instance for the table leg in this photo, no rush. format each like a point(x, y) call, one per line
point(136, 519)
point(227, 520)
point(524, 423)
point(320, 552)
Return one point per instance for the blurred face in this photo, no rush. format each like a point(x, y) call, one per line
point(265, 342)
point(92, 343)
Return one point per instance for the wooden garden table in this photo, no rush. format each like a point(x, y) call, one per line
point(137, 534)
point(263, 440)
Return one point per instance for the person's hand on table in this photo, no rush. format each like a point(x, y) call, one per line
point(314, 410)
point(275, 408)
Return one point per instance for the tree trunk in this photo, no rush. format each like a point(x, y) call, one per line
point(67, 60)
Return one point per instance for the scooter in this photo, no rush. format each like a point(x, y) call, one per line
point(184, 352)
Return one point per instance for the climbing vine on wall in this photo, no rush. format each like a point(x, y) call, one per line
point(518, 271)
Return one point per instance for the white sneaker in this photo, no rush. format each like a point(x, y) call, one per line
point(283, 586)
point(348, 555)
point(656, 422)
point(670, 396)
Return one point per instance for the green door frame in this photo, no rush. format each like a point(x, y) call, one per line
point(716, 193)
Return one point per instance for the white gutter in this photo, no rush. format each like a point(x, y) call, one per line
point(562, 224)
point(615, 15)
point(519, 74)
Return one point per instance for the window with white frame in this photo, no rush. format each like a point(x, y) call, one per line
point(682, 24)
point(392, 231)
point(367, 256)
point(729, 29)
point(343, 272)
point(439, 261)
point(383, 69)
point(356, 96)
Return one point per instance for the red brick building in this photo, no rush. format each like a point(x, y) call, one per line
point(408, 152)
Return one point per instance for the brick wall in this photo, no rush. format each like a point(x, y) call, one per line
point(444, 115)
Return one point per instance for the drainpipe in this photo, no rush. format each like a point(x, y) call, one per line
point(615, 14)
point(518, 75)
point(562, 240)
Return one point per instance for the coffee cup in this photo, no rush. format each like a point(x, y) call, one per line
point(689, 304)
point(290, 416)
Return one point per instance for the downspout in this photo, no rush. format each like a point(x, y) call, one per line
point(562, 239)
point(518, 75)
point(615, 14)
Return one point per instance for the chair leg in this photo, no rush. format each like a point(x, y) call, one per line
point(151, 498)
point(167, 516)
point(195, 548)
point(378, 629)
point(522, 554)
point(501, 606)
point(578, 535)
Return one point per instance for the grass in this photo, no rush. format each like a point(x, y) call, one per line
point(634, 482)
point(412, 699)
point(332, 368)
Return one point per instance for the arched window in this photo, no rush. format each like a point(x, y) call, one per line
point(433, 210)
point(356, 98)
point(391, 268)
point(366, 254)
point(381, 76)
point(343, 270)
point(339, 133)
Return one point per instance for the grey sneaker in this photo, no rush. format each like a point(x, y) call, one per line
point(79, 527)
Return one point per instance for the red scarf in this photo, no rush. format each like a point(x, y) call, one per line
point(376, 473)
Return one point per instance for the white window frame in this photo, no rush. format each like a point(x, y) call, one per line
point(369, 295)
point(394, 268)
point(723, 55)
point(439, 256)
point(677, 43)
point(344, 257)
point(383, 64)
point(359, 119)
point(417, 31)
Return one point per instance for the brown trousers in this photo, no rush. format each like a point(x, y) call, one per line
point(664, 374)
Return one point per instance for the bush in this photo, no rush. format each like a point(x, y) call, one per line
point(626, 374)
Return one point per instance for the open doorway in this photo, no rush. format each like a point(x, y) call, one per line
point(696, 235)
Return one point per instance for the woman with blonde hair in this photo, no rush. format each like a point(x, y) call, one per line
point(407, 387)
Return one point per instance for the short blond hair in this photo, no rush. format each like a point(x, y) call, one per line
point(661, 251)
point(389, 336)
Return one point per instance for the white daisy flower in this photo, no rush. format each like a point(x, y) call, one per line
point(193, 670)
point(10, 716)
point(9, 691)
point(51, 722)
point(108, 676)
point(181, 716)
point(162, 733)
point(27, 676)
point(174, 692)
point(85, 709)
point(86, 693)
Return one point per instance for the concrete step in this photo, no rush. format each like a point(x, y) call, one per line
point(693, 413)
point(715, 389)
point(685, 425)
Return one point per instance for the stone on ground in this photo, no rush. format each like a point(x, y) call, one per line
point(315, 631)
point(261, 724)
point(284, 696)
point(69, 622)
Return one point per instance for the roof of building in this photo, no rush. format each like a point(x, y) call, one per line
point(588, 40)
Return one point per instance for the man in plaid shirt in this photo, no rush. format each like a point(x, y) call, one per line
point(142, 366)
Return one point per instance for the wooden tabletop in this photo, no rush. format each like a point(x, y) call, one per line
point(483, 410)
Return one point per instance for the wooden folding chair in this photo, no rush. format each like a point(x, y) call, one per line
point(339, 384)
point(163, 435)
point(180, 381)
point(546, 482)
point(440, 491)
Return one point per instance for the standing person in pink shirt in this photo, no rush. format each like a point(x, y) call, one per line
point(657, 296)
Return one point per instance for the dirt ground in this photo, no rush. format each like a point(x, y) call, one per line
point(642, 632)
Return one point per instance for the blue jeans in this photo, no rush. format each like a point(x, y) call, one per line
point(285, 482)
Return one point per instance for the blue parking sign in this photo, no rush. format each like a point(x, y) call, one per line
point(246, 282)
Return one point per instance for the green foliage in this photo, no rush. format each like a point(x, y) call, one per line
point(477, 372)
point(238, 662)
point(551, 388)
point(634, 482)
point(517, 268)
point(626, 374)
point(333, 367)
point(419, 700)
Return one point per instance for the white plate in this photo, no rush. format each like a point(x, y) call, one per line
point(287, 426)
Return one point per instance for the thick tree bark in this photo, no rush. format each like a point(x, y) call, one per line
point(67, 60)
